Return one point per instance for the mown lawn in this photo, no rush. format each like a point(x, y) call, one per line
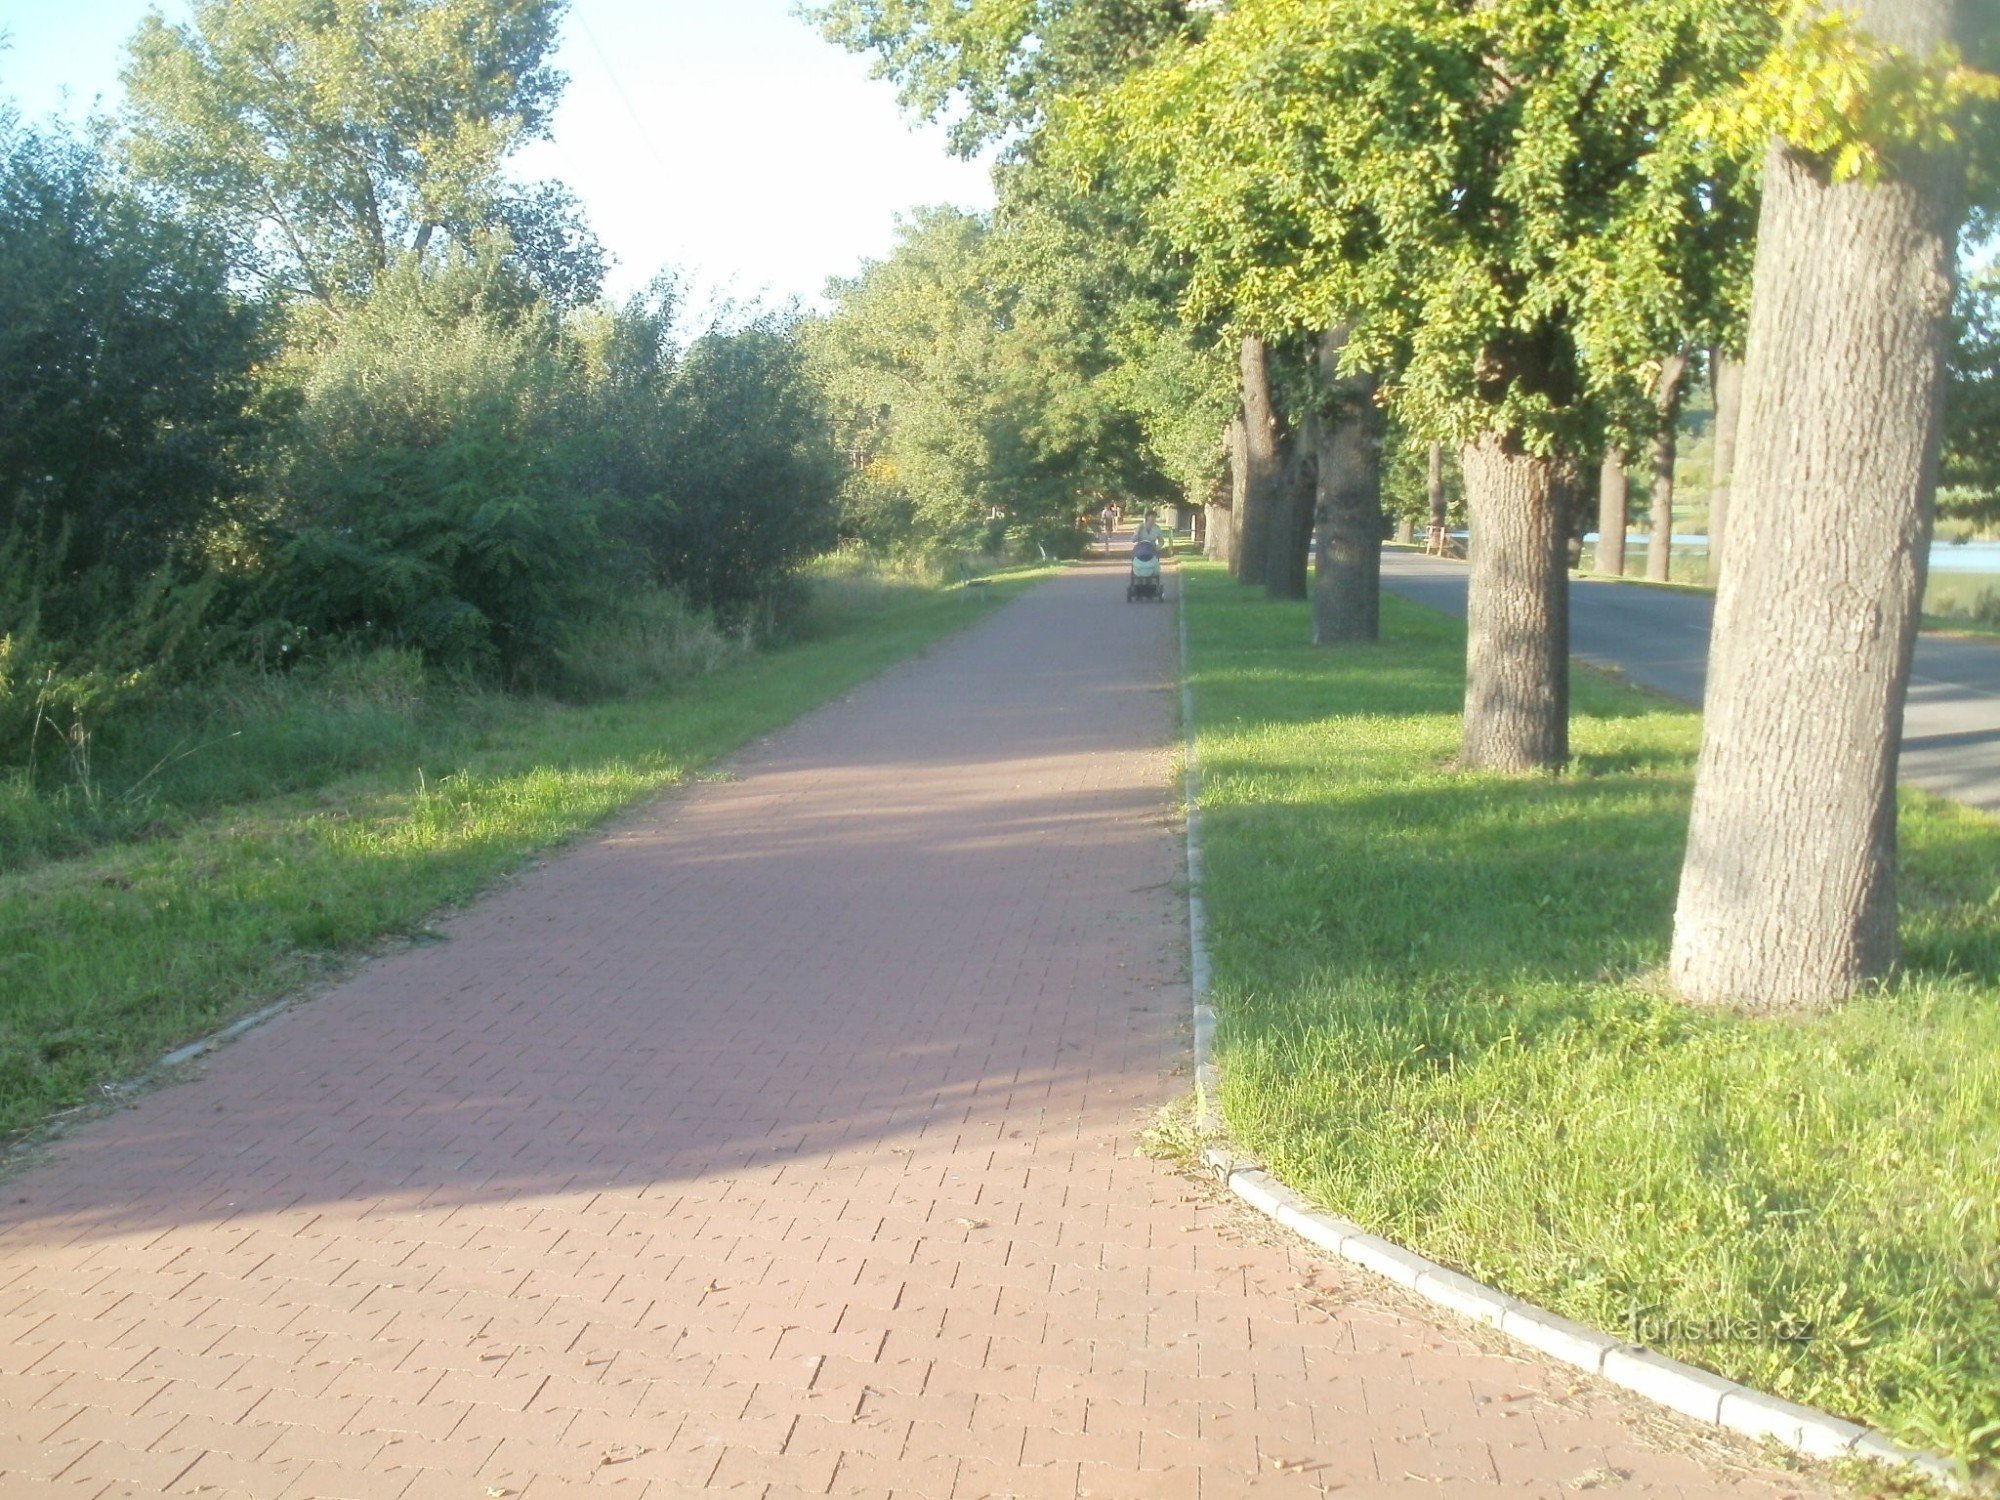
point(367, 812)
point(1441, 1015)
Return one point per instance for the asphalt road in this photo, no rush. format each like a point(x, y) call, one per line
point(1659, 639)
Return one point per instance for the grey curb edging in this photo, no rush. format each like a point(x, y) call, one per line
point(1684, 1388)
point(228, 1033)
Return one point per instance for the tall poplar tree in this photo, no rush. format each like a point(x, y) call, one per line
point(325, 137)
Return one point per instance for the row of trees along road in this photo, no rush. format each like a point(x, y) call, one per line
point(980, 378)
point(289, 365)
point(1508, 228)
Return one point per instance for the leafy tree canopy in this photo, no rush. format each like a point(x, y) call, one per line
point(1971, 473)
point(323, 136)
point(965, 388)
point(1501, 200)
point(993, 67)
point(1093, 277)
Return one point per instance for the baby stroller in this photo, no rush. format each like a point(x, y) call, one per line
point(1144, 581)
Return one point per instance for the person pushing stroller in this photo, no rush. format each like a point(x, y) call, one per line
point(1143, 582)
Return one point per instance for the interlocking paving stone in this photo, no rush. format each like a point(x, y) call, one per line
point(778, 1140)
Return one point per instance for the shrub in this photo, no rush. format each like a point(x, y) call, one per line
point(718, 466)
point(124, 372)
point(56, 695)
point(652, 640)
point(420, 501)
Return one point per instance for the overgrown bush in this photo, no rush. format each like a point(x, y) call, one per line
point(712, 457)
point(1035, 540)
point(124, 374)
point(240, 542)
point(59, 693)
point(650, 640)
point(462, 473)
point(420, 497)
point(168, 751)
point(125, 388)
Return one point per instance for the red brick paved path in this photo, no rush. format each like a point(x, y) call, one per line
point(779, 1142)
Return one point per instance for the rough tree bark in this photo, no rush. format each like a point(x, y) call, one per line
point(1406, 530)
point(1787, 895)
point(1726, 380)
point(1228, 504)
point(1258, 494)
point(1581, 510)
point(1347, 574)
point(1292, 516)
point(1613, 514)
point(1517, 608)
point(1666, 446)
point(1440, 506)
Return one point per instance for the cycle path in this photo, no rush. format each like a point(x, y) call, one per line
point(781, 1140)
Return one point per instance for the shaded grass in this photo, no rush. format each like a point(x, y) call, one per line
point(240, 736)
point(1441, 1016)
point(113, 956)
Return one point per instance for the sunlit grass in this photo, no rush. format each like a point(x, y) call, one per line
point(1962, 601)
point(1441, 1016)
point(114, 955)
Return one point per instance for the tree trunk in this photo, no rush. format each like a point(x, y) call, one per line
point(1223, 513)
point(1574, 527)
point(1292, 517)
point(1726, 379)
point(1258, 495)
point(1666, 446)
point(1406, 530)
point(1613, 496)
point(1440, 507)
point(1787, 895)
point(1347, 575)
point(1517, 608)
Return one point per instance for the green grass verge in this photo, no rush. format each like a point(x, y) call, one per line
point(112, 957)
point(1968, 603)
point(1441, 1016)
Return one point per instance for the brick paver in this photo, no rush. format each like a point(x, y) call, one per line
point(779, 1141)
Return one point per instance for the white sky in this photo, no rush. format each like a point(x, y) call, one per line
point(722, 138)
